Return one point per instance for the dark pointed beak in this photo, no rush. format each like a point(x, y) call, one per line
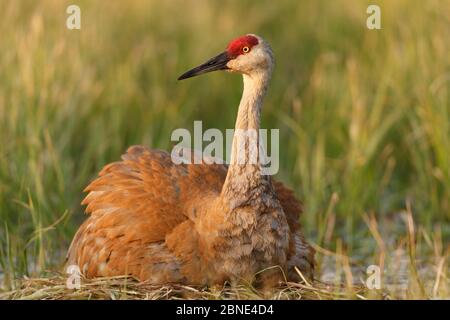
point(218, 62)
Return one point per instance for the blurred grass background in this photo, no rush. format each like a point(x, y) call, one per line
point(364, 115)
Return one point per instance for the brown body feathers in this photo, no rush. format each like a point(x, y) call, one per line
point(145, 213)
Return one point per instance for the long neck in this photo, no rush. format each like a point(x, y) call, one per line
point(244, 181)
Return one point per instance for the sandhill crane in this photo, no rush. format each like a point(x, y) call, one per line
point(196, 223)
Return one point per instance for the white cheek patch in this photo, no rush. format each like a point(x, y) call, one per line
point(259, 57)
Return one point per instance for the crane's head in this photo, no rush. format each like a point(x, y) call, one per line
point(247, 55)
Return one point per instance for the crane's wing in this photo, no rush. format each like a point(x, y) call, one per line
point(134, 204)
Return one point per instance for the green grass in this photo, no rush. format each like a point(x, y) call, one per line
point(364, 120)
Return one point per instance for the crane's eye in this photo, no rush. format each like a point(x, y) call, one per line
point(245, 49)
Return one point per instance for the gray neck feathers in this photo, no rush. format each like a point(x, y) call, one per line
point(244, 184)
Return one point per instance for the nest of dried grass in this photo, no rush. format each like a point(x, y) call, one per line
point(55, 287)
